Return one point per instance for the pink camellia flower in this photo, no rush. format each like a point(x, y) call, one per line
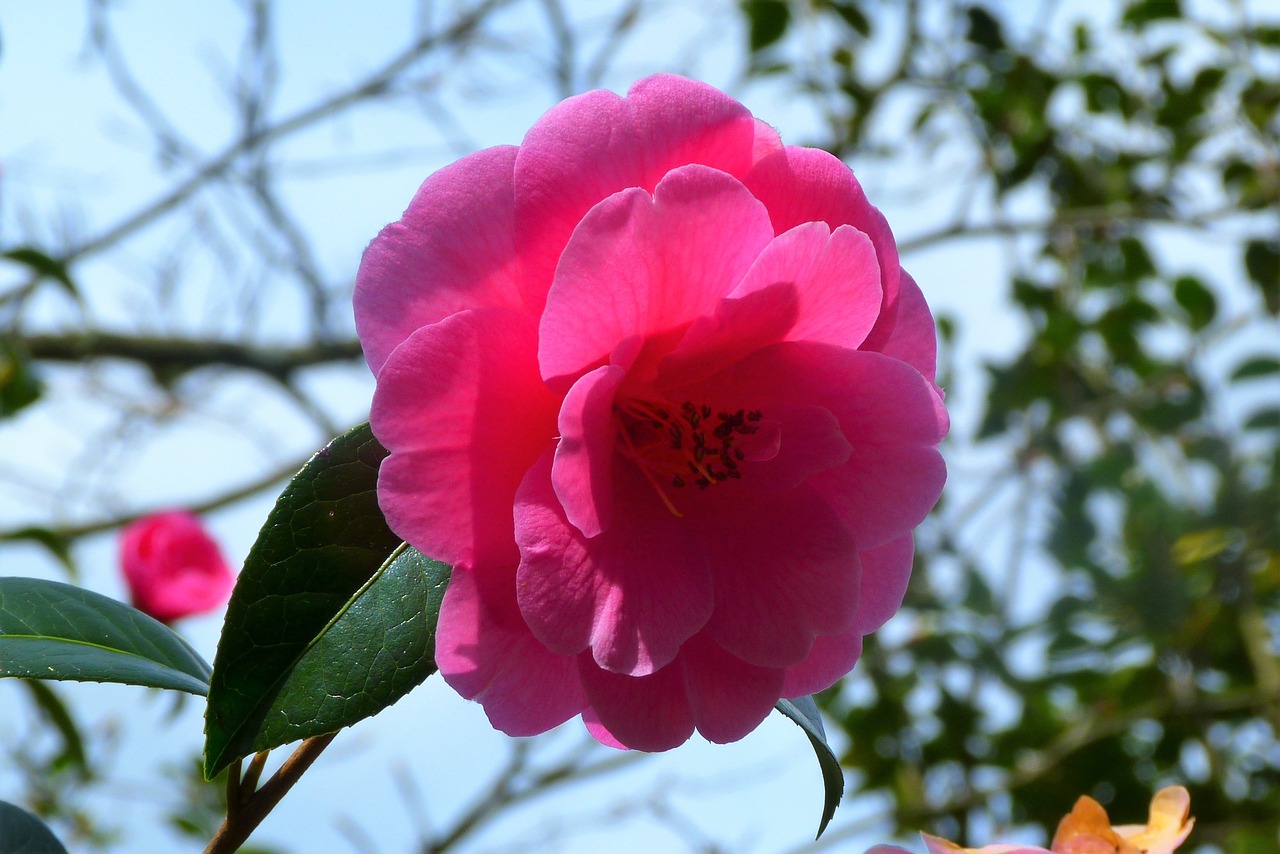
point(1088, 830)
point(173, 568)
point(657, 388)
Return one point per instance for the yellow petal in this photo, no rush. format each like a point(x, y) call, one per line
point(1168, 823)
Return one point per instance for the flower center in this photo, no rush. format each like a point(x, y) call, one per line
point(678, 445)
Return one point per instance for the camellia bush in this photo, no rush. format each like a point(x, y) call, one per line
point(655, 443)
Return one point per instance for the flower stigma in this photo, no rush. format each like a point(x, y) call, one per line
point(679, 445)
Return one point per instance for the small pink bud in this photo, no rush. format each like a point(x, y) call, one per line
point(173, 567)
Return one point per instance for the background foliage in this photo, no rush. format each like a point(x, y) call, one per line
point(1097, 600)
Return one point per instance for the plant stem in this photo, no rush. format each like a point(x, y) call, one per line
point(243, 821)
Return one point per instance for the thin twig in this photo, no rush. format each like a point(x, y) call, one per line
point(237, 827)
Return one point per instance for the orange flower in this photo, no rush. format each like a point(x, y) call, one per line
point(1088, 830)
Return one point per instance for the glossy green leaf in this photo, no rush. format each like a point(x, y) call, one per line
point(378, 648)
point(23, 833)
point(51, 630)
point(321, 544)
point(804, 711)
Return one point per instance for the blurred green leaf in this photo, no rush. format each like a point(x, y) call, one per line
point(57, 715)
point(1145, 11)
point(23, 833)
point(1258, 366)
point(1196, 300)
point(51, 630)
point(804, 712)
point(322, 542)
point(19, 385)
point(57, 545)
point(1263, 419)
point(767, 21)
point(43, 266)
point(1262, 262)
point(984, 29)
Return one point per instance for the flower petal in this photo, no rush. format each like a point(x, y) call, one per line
point(836, 276)
point(883, 583)
point(525, 689)
point(727, 696)
point(594, 145)
point(913, 338)
point(800, 185)
point(786, 571)
point(889, 414)
point(830, 659)
point(642, 712)
point(633, 594)
point(582, 472)
point(885, 573)
point(464, 414)
point(641, 266)
point(452, 250)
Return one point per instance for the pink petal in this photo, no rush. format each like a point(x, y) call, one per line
point(525, 689)
point(739, 327)
point(596, 144)
point(800, 185)
point(913, 339)
point(452, 250)
point(633, 594)
point(831, 658)
point(767, 141)
point(642, 712)
point(885, 573)
point(663, 260)
point(836, 277)
point(890, 415)
point(786, 571)
point(464, 414)
point(727, 696)
point(582, 473)
point(598, 731)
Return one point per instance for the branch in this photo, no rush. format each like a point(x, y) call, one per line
point(374, 85)
point(74, 532)
point(186, 354)
point(244, 819)
point(1097, 217)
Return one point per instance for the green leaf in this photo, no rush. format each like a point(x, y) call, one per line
point(804, 711)
point(23, 833)
point(1145, 11)
point(57, 715)
point(768, 20)
point(378, 648)
point(56, 544)
point(1264, 419)
point(51, 630)
point(1262, 262)
point(1258, 366)
point(321, 544)
point(984, 29)
point(1196, 300)
point(19, 385)
point(43, 266)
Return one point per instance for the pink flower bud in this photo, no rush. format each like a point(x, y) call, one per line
point(173, 567)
